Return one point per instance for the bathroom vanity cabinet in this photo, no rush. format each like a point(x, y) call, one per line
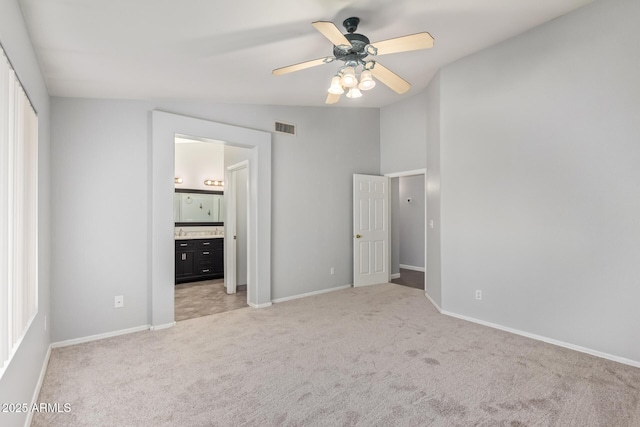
point(199, 259)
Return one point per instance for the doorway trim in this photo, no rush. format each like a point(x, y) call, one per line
point(164, 127)
point(231, 218)
point(426, 225)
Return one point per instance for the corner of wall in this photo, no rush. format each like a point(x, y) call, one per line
point(433, 279)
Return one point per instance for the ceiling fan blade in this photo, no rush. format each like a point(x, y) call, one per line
point(389, 78)
point(330, 31)
point(332, 98)
point(302, 66)
point(404, 44)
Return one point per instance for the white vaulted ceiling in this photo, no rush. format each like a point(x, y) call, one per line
point(224, 51)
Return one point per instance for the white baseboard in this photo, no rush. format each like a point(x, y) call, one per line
point(36, 392)
point(412, 267)
point(433, 302)
point(309, 294)
point(596, 353)
point(99, 336)
point(395, 276)
point(163, 326)
point(264, 305)
point(369, 284)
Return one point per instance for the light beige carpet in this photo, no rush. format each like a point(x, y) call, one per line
point(374, 356)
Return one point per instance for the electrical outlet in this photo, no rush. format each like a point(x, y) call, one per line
point(478, 294)
point(332, 271)
point(430, 223)
point(45, 322)
point(119, 301)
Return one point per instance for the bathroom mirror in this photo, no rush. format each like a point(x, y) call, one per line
point(198, 207)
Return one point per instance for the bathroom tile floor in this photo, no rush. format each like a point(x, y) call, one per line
point(197, 299)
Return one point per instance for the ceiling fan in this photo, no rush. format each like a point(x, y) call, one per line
point(352, 49)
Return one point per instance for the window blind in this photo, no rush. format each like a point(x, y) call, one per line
point(18, 212)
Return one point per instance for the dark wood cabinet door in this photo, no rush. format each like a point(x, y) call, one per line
point(185, 263)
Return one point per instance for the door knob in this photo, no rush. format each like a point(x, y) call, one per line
point(358, 236)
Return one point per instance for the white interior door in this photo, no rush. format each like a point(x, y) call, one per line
point(230, 279)
point(236, 221)
point(370, 230)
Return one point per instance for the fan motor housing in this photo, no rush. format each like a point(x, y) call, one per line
point(357, 49)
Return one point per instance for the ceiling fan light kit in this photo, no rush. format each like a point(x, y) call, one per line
point(349, 78)
point(352, 49)
point(354, 92)
point(336, 88)
point(366, 81)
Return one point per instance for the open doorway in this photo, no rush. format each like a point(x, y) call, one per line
point(164, 127)
point(408, 228)
point(201, 197)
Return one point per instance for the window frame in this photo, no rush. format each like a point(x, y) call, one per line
point(18, 212)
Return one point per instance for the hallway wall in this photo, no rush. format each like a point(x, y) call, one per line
point(411, 221)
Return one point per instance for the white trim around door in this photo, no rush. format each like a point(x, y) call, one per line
point(164, 128)
point(231, 224)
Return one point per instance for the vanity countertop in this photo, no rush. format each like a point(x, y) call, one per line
point(192, 237)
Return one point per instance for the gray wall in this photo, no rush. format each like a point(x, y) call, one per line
point(539, 159)
point(19, 379)
point(405, 128)
point(532, 161)
point(403, 135)
point(412, 220)
point(100, 224)
point(434, 285)
point(101, 173)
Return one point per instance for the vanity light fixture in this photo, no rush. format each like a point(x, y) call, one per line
point(177, 180)
point(214, 183)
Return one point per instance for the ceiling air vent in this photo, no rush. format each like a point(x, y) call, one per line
point(285, 128)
